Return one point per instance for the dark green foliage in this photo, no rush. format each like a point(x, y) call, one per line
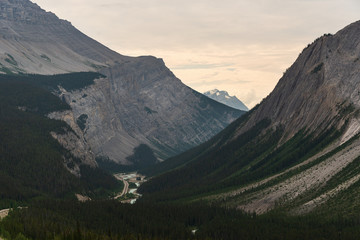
point(31, 161)
point(10, 59)
point(132, 185)
point(25, 96)
point(252, 156)
point(112, 167)
point(69, 81)
point(97, 183)
point(81, 121)
point(149, 110)
point(145, 220)
point(206, 170)
point(43, 56)
point(5, 70)
point(196, 152)
point(317, 68)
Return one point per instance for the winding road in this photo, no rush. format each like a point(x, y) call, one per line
point(125, 189)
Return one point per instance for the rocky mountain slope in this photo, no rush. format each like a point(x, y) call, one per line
point(225, 98)
point(138, 101)
point(42, 157)
point(295, 151)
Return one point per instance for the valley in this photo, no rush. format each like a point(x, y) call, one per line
point(131, 181)
point(98, 145)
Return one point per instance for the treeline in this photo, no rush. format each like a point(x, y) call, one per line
point(69, 81)
point(54, 219)
point(251, 156)
point(31, 161)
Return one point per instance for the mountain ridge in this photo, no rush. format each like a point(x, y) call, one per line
point(225, 98)
point(291, 147)
point(38, 42)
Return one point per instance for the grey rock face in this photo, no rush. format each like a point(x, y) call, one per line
point(320, 90)
point(224, 98)
point(74, 142)
point(139, 102)
point(142, 102)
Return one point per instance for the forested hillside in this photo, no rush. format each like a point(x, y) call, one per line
point(31, 160)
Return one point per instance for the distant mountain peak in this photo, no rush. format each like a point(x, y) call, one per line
point(224, 98)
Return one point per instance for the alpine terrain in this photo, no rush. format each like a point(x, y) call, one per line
point(297, 151)
point(70, 108)
point(136, 105)
point(225, 98)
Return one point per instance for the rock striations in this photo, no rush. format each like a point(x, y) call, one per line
point(139, 101)
point(318, 87)
point(294, 151)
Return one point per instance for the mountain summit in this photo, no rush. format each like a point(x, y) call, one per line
point(296, 151)
point(225, 98)
point(137, 102)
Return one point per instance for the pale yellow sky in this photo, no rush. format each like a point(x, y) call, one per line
point(241, 46)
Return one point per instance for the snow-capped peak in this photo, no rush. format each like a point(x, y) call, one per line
point(224, 98)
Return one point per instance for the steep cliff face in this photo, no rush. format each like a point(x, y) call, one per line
point(142, 102)
point(322, 84)
point(295, 151)
point(75, 142)
point(138, 102)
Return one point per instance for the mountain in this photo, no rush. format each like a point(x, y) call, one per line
point(225, 98)
point(42, 157)
point(137, 102)
point(297, 151)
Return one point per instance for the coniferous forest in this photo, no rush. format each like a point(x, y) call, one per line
point(33, 177)
point(59, 219)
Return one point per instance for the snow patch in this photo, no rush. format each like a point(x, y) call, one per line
point(213, 91)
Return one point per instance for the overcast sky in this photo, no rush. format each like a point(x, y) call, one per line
point(241, 46)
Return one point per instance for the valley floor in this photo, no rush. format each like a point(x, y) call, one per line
point(131, 183)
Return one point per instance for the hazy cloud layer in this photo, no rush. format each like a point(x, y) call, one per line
point(247, 43)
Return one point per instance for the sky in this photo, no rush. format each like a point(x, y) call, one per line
point(241, 46)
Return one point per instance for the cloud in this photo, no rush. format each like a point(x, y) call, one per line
point(202, 66)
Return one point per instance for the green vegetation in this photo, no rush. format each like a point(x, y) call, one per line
point(32, 174)
point(132, 185)
point(10, 59)
point(149, 110)
point(69, 81)
point(213, 168)
point(54, 219)
point(317, 68)
point(81, 121)
point(43, 56)
point(31, 161)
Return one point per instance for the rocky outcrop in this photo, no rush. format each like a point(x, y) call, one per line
point(225, 98)
point(320, 91)
point(295, 151)
point(142, 102)
point(139, 102)
point(319, 87)
point(35, 41)
point(74, 142)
